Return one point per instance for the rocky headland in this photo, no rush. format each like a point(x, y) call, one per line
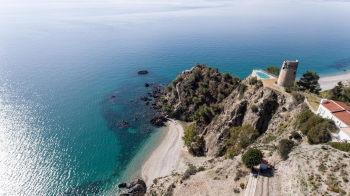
point(225, 116)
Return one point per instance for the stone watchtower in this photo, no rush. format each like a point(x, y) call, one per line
point(288, 73)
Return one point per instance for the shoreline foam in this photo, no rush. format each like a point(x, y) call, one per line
point(166, 157)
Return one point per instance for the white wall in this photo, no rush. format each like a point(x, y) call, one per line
point(325, 113)
point(343, 136)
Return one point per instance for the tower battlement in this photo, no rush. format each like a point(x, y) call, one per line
point(288, 73)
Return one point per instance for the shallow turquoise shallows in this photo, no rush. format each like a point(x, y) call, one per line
point(262, 75)
point(68, 76)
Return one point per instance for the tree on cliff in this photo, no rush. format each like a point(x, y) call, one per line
point(273, 70)
point(309, 82)
point(338, 93)
point(252, 157)
point(193, 142)
point(284, 147)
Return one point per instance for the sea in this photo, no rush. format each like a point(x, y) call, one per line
point(68, 76)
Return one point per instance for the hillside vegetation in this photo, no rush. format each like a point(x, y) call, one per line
point(338, 93)
point(196, 95)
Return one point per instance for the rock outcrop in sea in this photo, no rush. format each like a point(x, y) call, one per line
point(136, 188)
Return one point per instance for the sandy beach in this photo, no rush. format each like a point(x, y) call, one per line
point(328, 82)
point(167, 155)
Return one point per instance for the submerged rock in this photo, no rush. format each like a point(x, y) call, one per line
point(145, 99)
point(124, 123)
point(136, 188)
point(142, 72)
point(158, 121)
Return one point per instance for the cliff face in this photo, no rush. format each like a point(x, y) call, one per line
point(218, 102)
point(260, 107)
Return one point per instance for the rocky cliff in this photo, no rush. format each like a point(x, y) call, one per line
point(264, 108)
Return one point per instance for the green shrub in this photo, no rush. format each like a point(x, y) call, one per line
point(254, 108)
point(315, 127)
point(253, 80)
point(273, 70)
point(169, 191)
point(197, 74)
point(167, 108)
point(240, 138)
point(343, 146)
point(235, 79)
point(177, 80)
point(242, 89)
point(232, 155)
point(290, 89)
point(252, 157)
point(168, 88)
point(284, 148)
point(201, 168)
point(239, 174)
point(193, 142)
point(242, 185)
point(318, 134)
point(226, 76)
point(322, 167)
point(298, 97)
point(338, 93)
point(190, 171)
point(345, 179)
point(296, 135)
point(258, 84)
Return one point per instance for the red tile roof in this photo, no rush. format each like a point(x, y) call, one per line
point(343, 105)
point(344, 116)
point(332, 106)
point(264, 161)
point(338, 109)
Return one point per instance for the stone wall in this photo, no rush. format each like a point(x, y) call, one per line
point(288, 73)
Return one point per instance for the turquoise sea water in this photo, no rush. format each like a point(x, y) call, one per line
point(61, 62)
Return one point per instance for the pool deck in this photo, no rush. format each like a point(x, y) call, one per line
point(260, 70)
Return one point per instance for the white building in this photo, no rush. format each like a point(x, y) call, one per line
point(339, 112)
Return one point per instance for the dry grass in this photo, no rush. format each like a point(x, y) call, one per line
point(270, 83)
point(313, 101)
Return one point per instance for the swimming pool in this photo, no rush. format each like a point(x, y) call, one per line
point(262, 75)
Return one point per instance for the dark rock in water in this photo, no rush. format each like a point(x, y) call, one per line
point(136, 188)
point(142, 72)
point(146, 85)
point(145, 99)
point(158, 121)
point(124, 123)
point(147, 103)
